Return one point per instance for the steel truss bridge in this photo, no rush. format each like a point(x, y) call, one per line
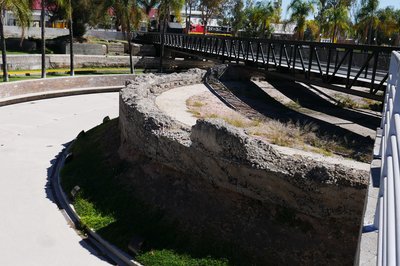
point(340, 67)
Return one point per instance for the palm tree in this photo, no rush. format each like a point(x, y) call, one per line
point(22, 12)
point(68, 8)
point(43, 6)
point(148, 4)
point(165, 8)
point(300, 9)
point(258, 20)
point(128, 14)
point(367, 19)
point(389, 25)
point(337, 19)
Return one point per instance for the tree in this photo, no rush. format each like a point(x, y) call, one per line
point(389, 26)
point(165, 9)
point(63, 9)
point(312, 30)
point(43, 6)
point(239, 16)
point(258, 19)
point(22, 12)
point(209, 8)
point(337, 19)
point(148, 5)
point(367, 19)
point(189, 5)
point(128, 15)
point(300, 9)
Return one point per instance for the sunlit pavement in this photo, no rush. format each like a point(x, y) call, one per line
point(32, 229)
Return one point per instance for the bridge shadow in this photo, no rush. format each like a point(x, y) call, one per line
point(313, 101)
point(263, 103)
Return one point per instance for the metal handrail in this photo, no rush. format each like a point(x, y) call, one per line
point(325, 64)
point(387, 215)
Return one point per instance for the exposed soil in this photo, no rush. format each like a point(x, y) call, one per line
point(338, 130)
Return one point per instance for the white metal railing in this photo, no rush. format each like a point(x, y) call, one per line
point(387, 215)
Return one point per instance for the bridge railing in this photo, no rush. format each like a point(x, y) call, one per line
point(353, 64)
point(387, 215)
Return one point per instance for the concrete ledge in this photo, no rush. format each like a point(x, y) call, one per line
point(368, 243)
point(20, 91)
point(55, 94)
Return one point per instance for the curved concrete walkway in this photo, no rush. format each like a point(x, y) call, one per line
point(32, 229)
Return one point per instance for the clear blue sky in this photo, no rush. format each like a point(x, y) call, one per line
point(382, 4)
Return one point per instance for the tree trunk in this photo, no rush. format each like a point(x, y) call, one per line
point(186, 17)
point(42, 19)
point(130, 48)
point(370, 33)
point(3, 47)
point(334, 33)
point(190, 17)
point(71, 49)
point(162, 44)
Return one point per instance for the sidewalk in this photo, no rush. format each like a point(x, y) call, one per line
point(33, 231)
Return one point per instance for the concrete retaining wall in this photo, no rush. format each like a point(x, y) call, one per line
point(33, 32)
point(87, 49)
point(32, 62)
point(51, 33)
point(106, 34)
point(299, 205)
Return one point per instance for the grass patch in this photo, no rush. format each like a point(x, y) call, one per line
point(306, 136)
point(19, 75)
point(110, 207)
point(364, 103)
point(195, 104)
point(170, 258)
point(90, 216)
point(294, 105)
point(346, 101)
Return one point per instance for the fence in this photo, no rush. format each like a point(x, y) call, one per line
point(387, 215)
point(325, 64)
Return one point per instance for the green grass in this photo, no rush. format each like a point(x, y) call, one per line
point(170, 258)
point(20, 52)
point(19, 75)
point(110, 207)
point(90, 216)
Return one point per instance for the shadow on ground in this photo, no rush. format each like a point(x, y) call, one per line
point(309, 99)
point(259, 100)
point(50, 194)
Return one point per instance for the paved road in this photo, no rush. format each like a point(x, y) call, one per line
point(32, 229)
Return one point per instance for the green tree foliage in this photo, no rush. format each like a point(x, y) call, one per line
point(166, 7)
point(337, 20)
point(388, 30)
point(128, 14)
point(148, 5)
point(190, 5)
point(312, 30)
point(44, 5)
point(367, 20)
point(300, 9)
point(258, 19)
point(209, 8)
point(23, 14)
point(239, 16)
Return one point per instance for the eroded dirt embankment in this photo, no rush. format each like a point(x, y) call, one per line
point(278, 208)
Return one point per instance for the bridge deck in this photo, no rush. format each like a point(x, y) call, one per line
point(335, 66)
